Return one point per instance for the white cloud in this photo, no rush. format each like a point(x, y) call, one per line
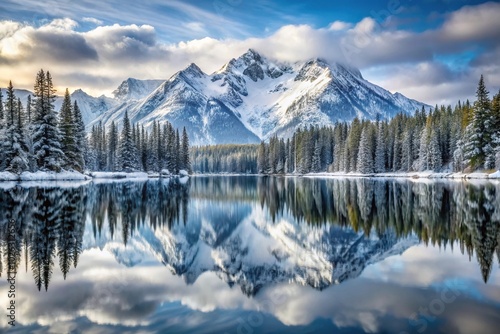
point(340, 25)
point(93, 20)
point(99, 59)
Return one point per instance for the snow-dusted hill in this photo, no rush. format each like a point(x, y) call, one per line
point(252, 98)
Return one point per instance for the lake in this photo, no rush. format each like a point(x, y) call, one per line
point(251, 255)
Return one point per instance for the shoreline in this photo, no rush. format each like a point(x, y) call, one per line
point(67, 176)
point(117, 176)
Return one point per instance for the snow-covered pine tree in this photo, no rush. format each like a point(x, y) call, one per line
point(365, 159)
point(144, 149)
point(81, 144)
point(262, 159)
point(1, 111)
point(28, 109)
point(407, 149)
point(380, 150)
point(46, 136)
point(185, 158)
point(152, 149)
point(435, 160)
point(423, 152)
point(477, 146)
point(127, 152)
point(316, 158)
point(177, 150)
point(67, 129)
point(112, 147)
point(15, 148)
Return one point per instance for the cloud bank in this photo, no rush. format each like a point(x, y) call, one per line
point(438, 65)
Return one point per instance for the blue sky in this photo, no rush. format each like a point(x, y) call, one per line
point(433, 51)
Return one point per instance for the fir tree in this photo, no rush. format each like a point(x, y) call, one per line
point(380, 150)
point(365, 159)
point(67, 130)
point(423, 152)
point(112, 147)
point(16, 150)
point(435, 161)
point(1, 111)
point(81, 145)
point(186, 161)
point(46, 136)
point(127, 151)
point(316, 158)
point(478, 139)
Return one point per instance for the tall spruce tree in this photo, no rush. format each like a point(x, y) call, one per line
point(478, 132)
point(16, 150)
point(380, 150)
point(365, 159)
point(81, 144)
point(127, 153)
point(46, 136)
point(1, 111)
point(67, 130)
point(112, 147)
point(185, 158)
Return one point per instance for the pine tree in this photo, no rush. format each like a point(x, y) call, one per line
point(1, 111)
point(28, 110)
point(262, 160)
point(127, 150)
point(46, 136)
point(67, 130)
point(81, 151)
point(423, 152)
point(380, 150)
point(186, 161)
point(435, 161)
point(16, 156)
point(112, 147)
point(316, 158)
point(478, 142)
point(365, 159)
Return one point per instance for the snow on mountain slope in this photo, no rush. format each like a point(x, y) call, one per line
point(91, 107)
point(252, 98)
point(134, 89)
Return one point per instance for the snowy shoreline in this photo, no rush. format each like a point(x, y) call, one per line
point(76, 176)
point(411, 175)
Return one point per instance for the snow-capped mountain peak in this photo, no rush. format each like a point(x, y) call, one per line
point(134, 89)
point(249, 99)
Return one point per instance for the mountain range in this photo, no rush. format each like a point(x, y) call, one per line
point(249, 99)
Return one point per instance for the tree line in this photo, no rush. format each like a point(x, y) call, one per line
point(37, 138)
point(227, 158)
point(463, 139)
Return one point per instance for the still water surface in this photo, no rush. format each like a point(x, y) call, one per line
point(252, 255)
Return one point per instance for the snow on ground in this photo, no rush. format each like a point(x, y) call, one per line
point(43, 176)
point(412, 175)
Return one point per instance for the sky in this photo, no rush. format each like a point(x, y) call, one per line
point(430, 50)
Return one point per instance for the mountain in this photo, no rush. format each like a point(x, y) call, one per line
point(134, 89)
point(249, 99)
point(91, 107)
point(252, 98)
